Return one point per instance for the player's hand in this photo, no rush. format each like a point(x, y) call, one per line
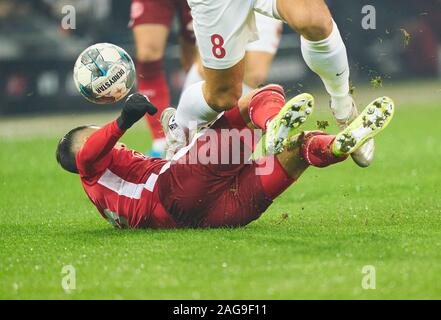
point(135, 107)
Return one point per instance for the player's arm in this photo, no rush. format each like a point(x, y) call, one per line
point(95, 154)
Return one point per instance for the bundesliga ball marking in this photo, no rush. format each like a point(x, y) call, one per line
point(104, 73)
point(102, 88)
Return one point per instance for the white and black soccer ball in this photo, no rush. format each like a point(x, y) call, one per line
point(104, 73)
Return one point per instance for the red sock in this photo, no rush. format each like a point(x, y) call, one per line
point(234, 118)
point(236, 121)
point(153, 83)
point(317, 150)
point(275, 183)
point(266, 104)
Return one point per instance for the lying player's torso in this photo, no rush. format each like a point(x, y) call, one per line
point(124, 192)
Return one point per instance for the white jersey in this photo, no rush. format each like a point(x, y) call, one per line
point(224, 28)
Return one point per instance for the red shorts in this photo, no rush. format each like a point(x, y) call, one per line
point(162, 12)
point(213, 194)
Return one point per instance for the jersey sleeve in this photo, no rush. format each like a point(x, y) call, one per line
point(95, 155)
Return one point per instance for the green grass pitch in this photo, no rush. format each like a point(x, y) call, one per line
point(312, 243)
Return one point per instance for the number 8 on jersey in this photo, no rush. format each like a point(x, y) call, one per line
point(218, 50)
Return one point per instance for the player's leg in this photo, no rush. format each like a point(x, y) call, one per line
point(259, 183)
point(278, 119)
point(257, 66)
point(268, 177)
point(321, 150)
point(193, 109)
point(150, 21)
point(151, 78)
point(187, 38)
point(326, 56)
point(239, 115)
point(325, 53)
point(317, 149)
point(258, 109)
point(223, 28)
point(322, 46)
point(244, 192)
point(223, 88)
point(264, 108)
point(258, 58)
point(255, 110)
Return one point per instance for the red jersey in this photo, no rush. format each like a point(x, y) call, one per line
point(121, 182)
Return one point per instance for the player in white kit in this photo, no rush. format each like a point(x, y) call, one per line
point(223, 30)
point(258, 57)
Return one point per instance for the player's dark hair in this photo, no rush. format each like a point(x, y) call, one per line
point(65, 155)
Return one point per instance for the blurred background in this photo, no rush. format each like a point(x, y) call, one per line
point(37, 55)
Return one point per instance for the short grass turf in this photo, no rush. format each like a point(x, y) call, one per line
point(312, 243)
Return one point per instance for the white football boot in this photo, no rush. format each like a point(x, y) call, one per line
point(285, 126)
point(374, 119)
point(175, 137)
point(364, 155)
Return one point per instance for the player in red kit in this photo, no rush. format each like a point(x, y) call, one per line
point(212, 182)
point(151, 22)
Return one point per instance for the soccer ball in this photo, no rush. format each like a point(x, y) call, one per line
point(104, 73)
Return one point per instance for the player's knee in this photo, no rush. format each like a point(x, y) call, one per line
point(316, 27)
point(224, 97)
point(311, 19)
point(149, 52)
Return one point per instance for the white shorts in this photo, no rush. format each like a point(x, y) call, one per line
point(224, 28)
point(270, 31)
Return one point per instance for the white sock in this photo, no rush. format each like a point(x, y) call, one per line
point(328, 58)
point(193, 109)
point(193, 76)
